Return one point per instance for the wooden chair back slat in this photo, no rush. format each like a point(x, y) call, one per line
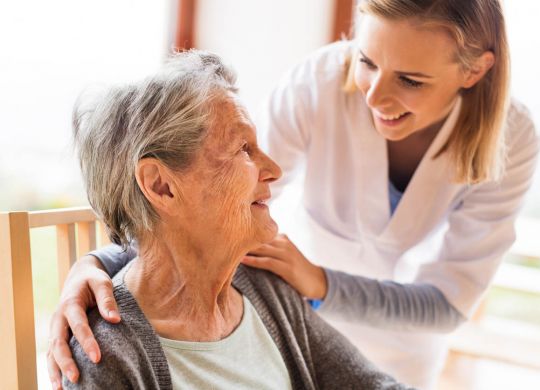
point(103, 236)
point(86, 237)
point(18, 357)
point(76, 232)
point(60, 216)
point(67, 250)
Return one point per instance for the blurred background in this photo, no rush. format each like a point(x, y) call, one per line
point(51, 51)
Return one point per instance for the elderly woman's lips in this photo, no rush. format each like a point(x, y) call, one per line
point(262, 198)
point(260, 203)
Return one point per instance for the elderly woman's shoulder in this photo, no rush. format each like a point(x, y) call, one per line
point(108, 335)
point(252, 281)
point(261, 276)
point(111, 339)
point(126, 348)
point(112, 343)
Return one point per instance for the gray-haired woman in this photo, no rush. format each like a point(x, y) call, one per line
point(173, 163)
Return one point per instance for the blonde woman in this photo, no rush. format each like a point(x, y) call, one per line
point(416, 164)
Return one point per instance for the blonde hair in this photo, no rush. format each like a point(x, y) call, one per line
point(477, 143)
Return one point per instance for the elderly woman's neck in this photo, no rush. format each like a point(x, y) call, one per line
point(186, 293)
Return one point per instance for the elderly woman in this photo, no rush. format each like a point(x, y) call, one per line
point(173, 163)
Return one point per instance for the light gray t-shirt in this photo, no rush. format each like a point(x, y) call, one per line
point(246, 359)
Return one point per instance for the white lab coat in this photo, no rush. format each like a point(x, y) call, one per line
point(450, 235)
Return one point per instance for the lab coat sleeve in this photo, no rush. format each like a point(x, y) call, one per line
point(283, 125)
point(114, 258)
point(481, 228)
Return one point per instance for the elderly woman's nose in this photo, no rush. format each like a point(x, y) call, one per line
point(269, 169)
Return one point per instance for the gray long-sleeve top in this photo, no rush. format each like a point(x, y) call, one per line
point(384, 304)
point(316, 355)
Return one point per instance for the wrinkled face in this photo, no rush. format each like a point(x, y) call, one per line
point(407, 74)
point(226, 189)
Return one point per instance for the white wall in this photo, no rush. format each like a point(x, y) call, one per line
point(50, 51)
point(261, 39)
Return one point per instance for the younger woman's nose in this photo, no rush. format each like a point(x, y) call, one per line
point(378, 92)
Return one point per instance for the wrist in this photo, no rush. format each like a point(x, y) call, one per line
point(320, 287)
point(89, 261)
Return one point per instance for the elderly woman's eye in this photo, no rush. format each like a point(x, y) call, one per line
point(245, 149)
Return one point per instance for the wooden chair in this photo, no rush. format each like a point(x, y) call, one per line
point(76, 231)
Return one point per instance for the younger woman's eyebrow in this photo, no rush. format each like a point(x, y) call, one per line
point(399, 72)
point(365, 57)
point(414, 74)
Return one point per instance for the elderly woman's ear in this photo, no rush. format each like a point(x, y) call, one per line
point(158, 185)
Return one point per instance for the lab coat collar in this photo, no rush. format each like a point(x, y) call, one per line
point(431, 177)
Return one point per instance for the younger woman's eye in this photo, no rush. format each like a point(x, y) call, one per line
point(410, 82)
point(367, 63)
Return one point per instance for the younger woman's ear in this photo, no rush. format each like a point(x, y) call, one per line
point(157, 184)
point(479, 69)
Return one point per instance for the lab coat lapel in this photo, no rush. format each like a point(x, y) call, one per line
point(373, 212)
point(429, 191)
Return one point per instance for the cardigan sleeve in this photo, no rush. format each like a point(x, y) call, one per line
point(337, 364)
point(95, 376)
point(123, 363)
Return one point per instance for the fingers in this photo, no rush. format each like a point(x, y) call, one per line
point(85, 281)
point(78, 322)
point(267, 250)
point(279, 247)
point(103, 292)
point(59, 354)
point(54, 371)
point(282, 241)
point(268, 263)
point(62, 356)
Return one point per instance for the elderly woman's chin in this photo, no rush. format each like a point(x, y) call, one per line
point(266, 227)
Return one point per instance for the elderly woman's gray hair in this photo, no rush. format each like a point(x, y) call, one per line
point(165, 117)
